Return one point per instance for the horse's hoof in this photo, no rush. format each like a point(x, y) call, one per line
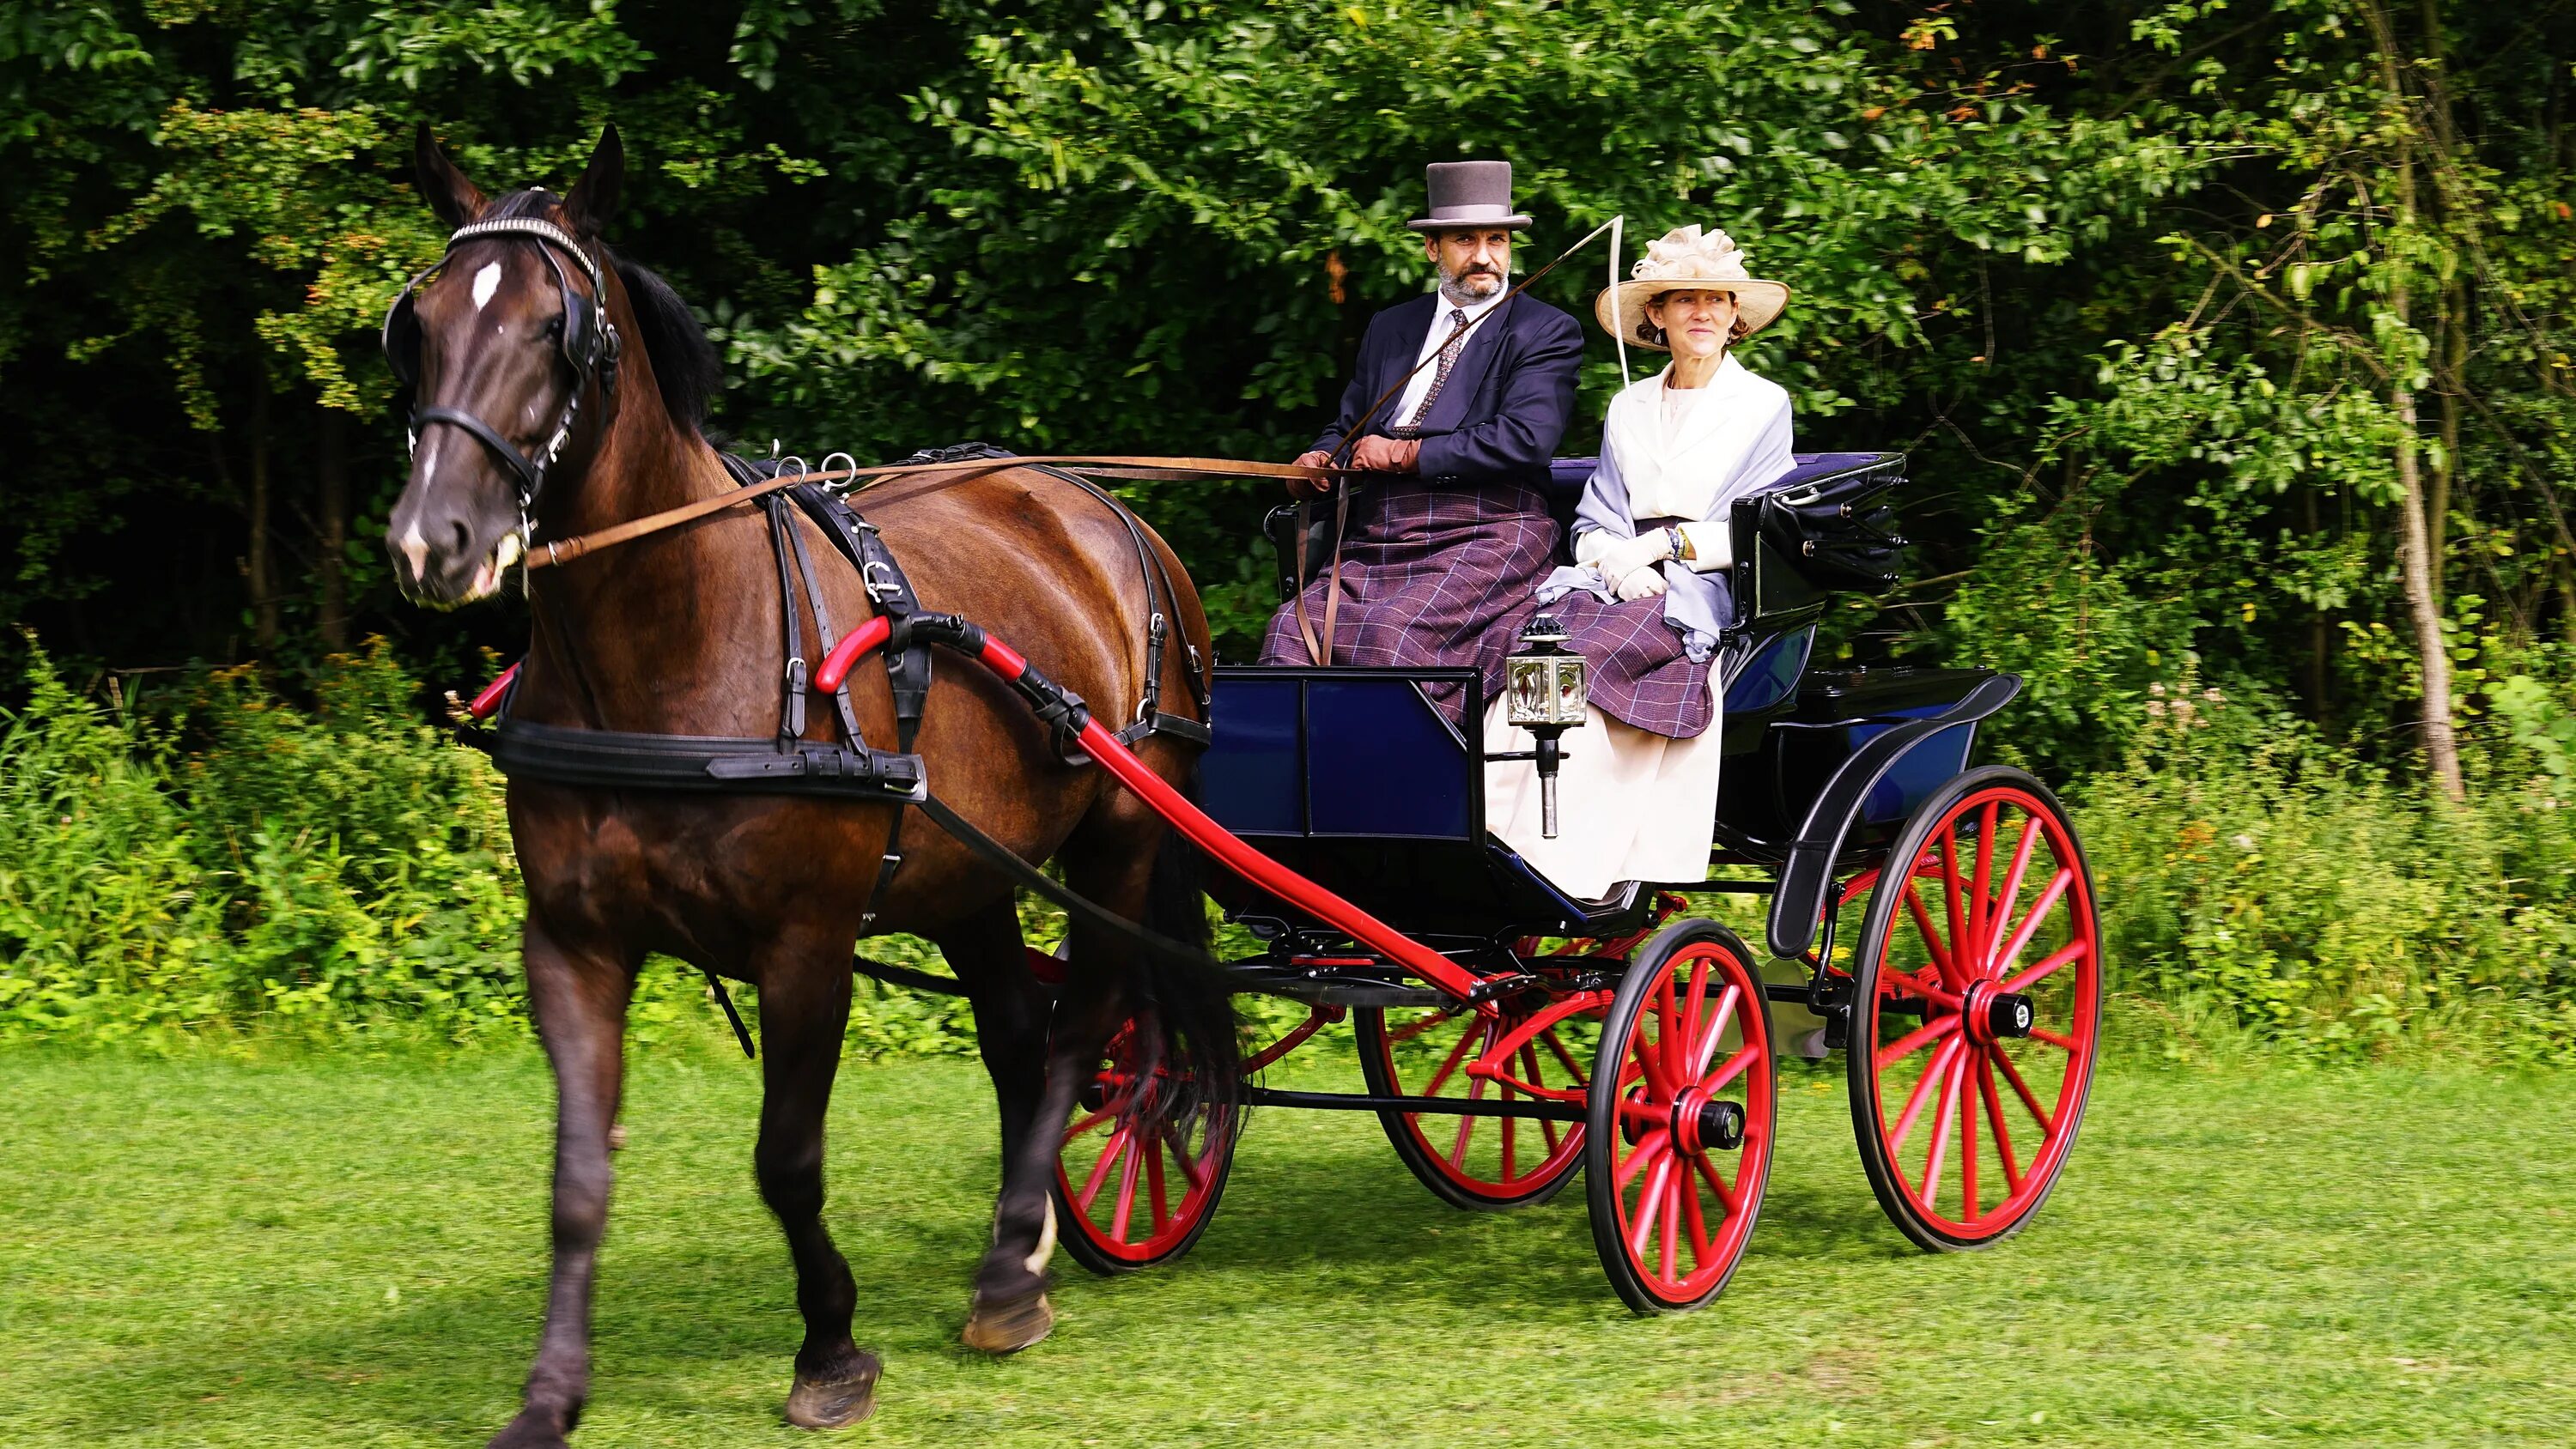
point(528, 1432)
point(835, 1403)
point(1010, 1325)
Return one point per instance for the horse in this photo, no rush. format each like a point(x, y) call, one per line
point(677, 633)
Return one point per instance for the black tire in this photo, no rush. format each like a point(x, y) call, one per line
point(1453, 1183)
point(1677, 953)
point(2065, 1005)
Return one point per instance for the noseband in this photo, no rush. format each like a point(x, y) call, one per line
point(590, 347)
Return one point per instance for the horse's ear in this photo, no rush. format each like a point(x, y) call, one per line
point(455, 199)
point(593, 200)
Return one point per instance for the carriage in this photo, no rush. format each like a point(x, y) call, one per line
point(1933, 921)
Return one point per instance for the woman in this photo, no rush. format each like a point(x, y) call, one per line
point(1646, 599)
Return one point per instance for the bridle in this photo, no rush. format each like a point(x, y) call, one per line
point(590, 346)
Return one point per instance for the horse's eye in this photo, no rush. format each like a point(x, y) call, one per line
point(554, 327)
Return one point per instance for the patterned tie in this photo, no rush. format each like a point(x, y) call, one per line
point(1449, 351)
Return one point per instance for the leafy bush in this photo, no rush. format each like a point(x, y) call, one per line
point(2251, 876)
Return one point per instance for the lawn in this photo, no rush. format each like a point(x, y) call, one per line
point(348, 1252)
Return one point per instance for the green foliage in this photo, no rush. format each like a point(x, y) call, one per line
point(2249, 874)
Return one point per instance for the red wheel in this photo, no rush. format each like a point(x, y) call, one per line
point(1144, 1161)
point(1682, 1085)
point(1475, 1162)
point(1977, 994)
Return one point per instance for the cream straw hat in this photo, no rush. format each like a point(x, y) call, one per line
point(1687, 260)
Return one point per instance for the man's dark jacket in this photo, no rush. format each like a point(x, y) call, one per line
point(1507, 402)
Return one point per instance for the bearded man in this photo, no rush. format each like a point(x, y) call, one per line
point(1450, 533)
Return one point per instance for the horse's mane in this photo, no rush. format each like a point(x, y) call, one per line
point(685, 364)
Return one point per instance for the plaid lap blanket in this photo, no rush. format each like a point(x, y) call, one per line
point(1431, 577)
point(1640, 674)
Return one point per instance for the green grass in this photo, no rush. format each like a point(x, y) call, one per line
point(345, 1252)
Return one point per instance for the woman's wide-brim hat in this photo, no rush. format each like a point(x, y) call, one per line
point(1687, 260)
point(1467, 195)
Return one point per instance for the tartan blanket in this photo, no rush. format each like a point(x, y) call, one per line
point(1431, 577)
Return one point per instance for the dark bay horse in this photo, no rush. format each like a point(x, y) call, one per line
point(681, 633)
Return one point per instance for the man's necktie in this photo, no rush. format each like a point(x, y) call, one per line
point(1449, 351)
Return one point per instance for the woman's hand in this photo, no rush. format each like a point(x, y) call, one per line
point(1623, 563)
point(1642, 582)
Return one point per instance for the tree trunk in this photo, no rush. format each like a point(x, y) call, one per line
point(2454, 362)
point(263, 561)
point(2319, 635)
point(2415, 543)
point(331, 474)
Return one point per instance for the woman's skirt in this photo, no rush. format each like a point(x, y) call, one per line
point(1631, 804)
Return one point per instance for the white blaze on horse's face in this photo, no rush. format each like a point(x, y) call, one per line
point(486, 282)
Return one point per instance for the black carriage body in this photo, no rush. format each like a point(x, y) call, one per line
point(1352, 778)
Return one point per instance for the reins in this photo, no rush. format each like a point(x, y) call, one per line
point(565, 550)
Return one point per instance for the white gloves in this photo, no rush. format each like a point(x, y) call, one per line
point(1631, 566)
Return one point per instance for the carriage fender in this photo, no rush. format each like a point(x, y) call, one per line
point(1809, 875)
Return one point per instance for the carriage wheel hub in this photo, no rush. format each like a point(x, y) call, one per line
point(1993, 1015)
point(1702, 1122)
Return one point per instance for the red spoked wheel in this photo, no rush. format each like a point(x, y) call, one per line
point(1144, 1162)
point(1476, 1162)
point(1678, 1147)
point(1976, 1011)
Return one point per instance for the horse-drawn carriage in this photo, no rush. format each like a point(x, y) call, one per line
point(1933, 921)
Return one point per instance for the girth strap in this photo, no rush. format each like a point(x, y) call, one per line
point(617, 759)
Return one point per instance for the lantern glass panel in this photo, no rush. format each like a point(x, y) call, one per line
point(1570, 689)
point(1531, 688)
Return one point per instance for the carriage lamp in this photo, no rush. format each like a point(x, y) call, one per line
point(1543, 692)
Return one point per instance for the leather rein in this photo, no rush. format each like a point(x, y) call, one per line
point(854, 479)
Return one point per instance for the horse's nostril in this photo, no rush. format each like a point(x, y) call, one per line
point(464, 539)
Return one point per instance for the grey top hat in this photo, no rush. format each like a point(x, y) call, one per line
point(1469, 194)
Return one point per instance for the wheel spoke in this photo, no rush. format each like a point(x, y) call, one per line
point(2011, 893)
point(1980, 907)
point(2062, 1043)
point(1702, 1249)
point(1573, 1068)
point(1466, 1039)
point(1672, 1225)
point(1650, 1146)
point(1995, 1118)
point(1109, 1156)
point(1716, 1183)
point(2049, 964)
point(1467, 1124)
point(1942, 1121)
point(1126, 1202)
point(1720, 1018)
point(1744, 1057)
point(1189, 1161)
point(1956, 968)
point(1649, 1058)
point(2012, 1074)
point(1530, 1065)
point(1697, 1002)
point(1641, 1226)
point(1967, 1145)
point(1915, 1041)
point(1088, 1123)
point(1932, 1071)
point(1154, 1182)
point(1937, 948)
point(2002, 960)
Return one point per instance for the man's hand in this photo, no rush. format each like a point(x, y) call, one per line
point(1303, 489)
point(1386, 455)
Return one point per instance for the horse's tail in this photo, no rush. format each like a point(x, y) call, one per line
point(1195, 1001)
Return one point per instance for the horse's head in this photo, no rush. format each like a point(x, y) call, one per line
point(509, 349)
